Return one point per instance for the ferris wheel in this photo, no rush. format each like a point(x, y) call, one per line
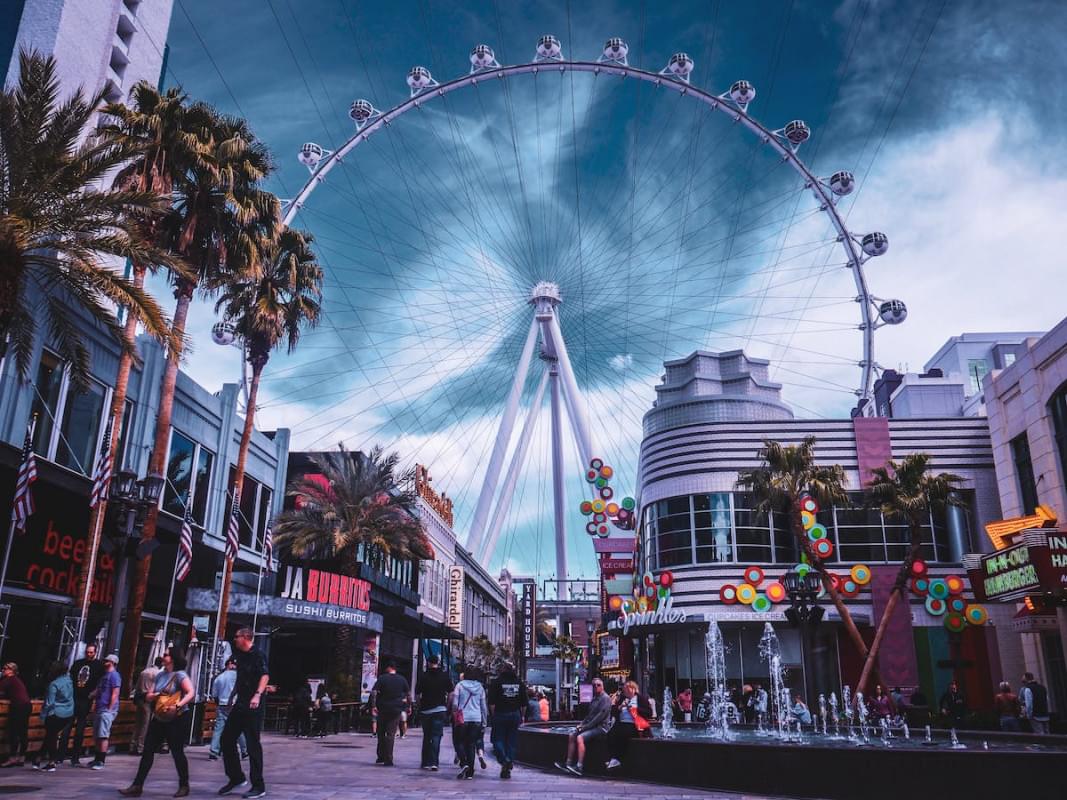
point(640, 216)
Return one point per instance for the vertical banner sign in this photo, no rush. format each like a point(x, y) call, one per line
point(370, 667)
point(529, 619)
point(455, 598)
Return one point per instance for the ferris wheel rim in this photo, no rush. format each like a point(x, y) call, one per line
point(767, 136)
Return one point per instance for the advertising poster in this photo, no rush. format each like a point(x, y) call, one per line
point(370, 667)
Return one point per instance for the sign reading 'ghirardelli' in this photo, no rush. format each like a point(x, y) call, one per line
point(455, 598)
point(664, 615)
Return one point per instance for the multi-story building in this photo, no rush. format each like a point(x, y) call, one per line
point(711, 416)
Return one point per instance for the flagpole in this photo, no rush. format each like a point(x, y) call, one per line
point(3, 579)
point(259, 588)
point(12, 527)
point(170, 597)
point(100, 512)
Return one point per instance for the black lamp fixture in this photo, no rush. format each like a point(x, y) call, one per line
point(151, 488)
point(124, 486)
point(803, 589)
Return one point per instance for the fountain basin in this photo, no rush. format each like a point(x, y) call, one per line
point(1033, 766)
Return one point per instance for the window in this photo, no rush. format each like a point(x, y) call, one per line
point(1024, 472)
point(185, 484)
point(713, 532)
point(1057, 407)
point(977, 368)
point(76, 441)
point(255, 509)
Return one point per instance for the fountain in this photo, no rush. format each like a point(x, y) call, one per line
point(822, 711)
point(770, 651)
point(833, 715)
point(954, 741)
point(846, 694)
point(667, 727)
point(715, 652)
point(861, 715)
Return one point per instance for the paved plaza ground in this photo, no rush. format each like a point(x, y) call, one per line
point(338, 768)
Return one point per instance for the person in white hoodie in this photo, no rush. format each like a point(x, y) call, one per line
point(469, 703)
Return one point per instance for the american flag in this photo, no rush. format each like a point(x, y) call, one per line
point(268, 549)
point(184, 562)
point(102, 475)
point(233, 540)
point(23, 504)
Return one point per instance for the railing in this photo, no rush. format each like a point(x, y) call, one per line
point(282, 717)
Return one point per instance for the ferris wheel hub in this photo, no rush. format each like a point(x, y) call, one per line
point(545, 292)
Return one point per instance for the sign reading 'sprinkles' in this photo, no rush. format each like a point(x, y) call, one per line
point(324, 588)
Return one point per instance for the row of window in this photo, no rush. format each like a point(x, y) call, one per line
point(722, 527)
point(434, 583)
point(1020, 451)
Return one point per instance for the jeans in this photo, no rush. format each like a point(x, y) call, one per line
point(388, 721)
point(175, 733)
point(56, 731)
point(433, 728)
point(82, 717)
point(470, 738)
point(18, 725)
point(221, 713)
point(140, 725)
point(619, 739)
point(506, 736)
point(246, 722)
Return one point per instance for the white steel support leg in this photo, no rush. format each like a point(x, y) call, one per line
point(503, 437)
point(507, 492)
point(558, 494)
point(575, 402)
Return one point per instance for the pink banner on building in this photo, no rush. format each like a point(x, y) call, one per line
point(873, 445)
point(897, 661)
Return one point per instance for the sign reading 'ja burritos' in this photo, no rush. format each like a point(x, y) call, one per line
point(245, 604)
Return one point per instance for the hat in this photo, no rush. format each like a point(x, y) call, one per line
point(114, 659)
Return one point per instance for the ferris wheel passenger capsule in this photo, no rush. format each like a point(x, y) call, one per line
point(419, 78)
point(223, 333)
point(615, 49)
point(797, 132)
point(875, 244)
point(482, 57)
point(361, 111)
point(548, 47)
point(842, 183)
point(893, 312)
point(742, 93)
point(310, 155)
point(680, 66)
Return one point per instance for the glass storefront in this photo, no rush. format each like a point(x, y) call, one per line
point(723, 527)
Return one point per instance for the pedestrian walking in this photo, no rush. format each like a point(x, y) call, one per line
point(434, 687)
point(57, 714)
point(14, 691)
point(86, 673)
point(470, 704)
point(1034, 699)
point(323, 709)
point(246, 716)
point(390, 697)
point(146, 682)
point(222, 689)
point(1008, 708)
point(302, 703)
point(170, 695)
point(105, 709)
point(507, 696)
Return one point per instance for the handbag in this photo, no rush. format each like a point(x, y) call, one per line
point(640, 722)
point(167, 708)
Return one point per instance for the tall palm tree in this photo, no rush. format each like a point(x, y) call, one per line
point(788, 473)
point(359, 508)
point(217, 216)
point(57, 222)
point(265, 310)
point(906, 490)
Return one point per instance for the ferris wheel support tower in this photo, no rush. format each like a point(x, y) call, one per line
point(563, 390)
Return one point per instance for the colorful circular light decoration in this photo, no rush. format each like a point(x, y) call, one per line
point(861, 574)
point(629, 503)
point(642, 604)
point(601, 482)
point(936, 606)
point(955, 622)
point(775, 592)
point(957, 605)
point(807, 519)
point(648, 580)
point(587, 507)
point(590, 528)
point(596, 463)
point(817, 532)
point(650, 591)
point(761, 604)
point(628, 606)
point(606, 472)
point(808, 504)
point(666, 578)
point(920, 586)
point(753, 575)
point(746, 593)
point(849, 588)
point(823, 548)
point(728, 593)
point(603, 531)
point(615, 603)
point(591, 475)
point(954, 583)
point(918, 568)
point(802, 569)
point(598, 506)
point(976, 614)
point(663, 593)
point(607, 493)
point(938, 588)
point(623, 515)
point(835, 581)
point(612, 509)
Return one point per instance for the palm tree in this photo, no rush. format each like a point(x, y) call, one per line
point(218, 215)
point(906, 490)
point(267, 309)
point(787, 474)
point(57, 222)
point(360, 509)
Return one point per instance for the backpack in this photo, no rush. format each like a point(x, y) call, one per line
point(1039, 699)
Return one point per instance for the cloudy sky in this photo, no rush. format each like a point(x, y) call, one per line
point(667, 227)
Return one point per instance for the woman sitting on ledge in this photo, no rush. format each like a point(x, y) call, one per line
point(632, 712)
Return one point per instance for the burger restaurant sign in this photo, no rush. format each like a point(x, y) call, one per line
point(1037, 564)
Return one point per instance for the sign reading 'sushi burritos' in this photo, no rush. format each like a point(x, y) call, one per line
point(244, 603)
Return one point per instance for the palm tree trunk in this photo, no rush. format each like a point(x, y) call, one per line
point(118, 406)
point(894, 596)
point(258, 362)
point(131, 634)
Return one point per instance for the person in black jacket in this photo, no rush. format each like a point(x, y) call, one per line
point(86, 674)
point(507, 696)
point(433, 688)
point(630, 710)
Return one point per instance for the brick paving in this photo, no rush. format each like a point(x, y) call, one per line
point(339, 768)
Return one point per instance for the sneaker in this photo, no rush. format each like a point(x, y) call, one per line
point(133, 790)
point(34, 765)
point(433, 768)
point(96, 765)
point(48, 768)
point(461, 774)
point(231, 785)
point(212, 756)
point(563, 766)
point(470, 774)
point(255, 791)
point(481, 760)
point(575, 769)
point(75, 762)
point(614, 764)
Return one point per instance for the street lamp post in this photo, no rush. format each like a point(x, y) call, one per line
point(805, 613)
point(131, 499)
point(594, 667)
